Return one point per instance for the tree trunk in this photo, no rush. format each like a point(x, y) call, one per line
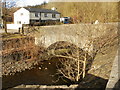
point(5, 27)
point(22, 29)
point(78, 66)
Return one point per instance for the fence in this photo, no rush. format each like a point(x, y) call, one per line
point(14, 26)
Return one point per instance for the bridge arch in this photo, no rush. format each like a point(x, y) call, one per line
point(62, 44)
point(68, 55)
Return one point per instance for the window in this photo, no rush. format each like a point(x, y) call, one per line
point(45, 14)
point(36, 14)
point(18, 22)
point(21, 14)
point(66, 20)
point(53, 16)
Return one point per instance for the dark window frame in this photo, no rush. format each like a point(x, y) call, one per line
point(18, 22)
point(21, 14)
point(53, 15)
point(36, 15)
point(45, 15)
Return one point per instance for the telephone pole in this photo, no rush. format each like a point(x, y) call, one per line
point(1, 19)
point(4, 17)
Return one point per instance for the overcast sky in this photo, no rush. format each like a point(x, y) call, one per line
point(29, 2)
point(21, 3)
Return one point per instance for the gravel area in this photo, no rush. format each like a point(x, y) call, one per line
point(11, 68)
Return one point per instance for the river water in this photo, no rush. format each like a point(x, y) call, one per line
point(43, 74)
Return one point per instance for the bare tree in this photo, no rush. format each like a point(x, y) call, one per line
point(72, 60)
point(6, 5)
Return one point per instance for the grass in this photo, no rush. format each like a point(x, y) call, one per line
point(11, 36)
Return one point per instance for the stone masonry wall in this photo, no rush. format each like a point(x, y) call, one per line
point(79, 34)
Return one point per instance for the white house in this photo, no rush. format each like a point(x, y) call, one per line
point(31, 15)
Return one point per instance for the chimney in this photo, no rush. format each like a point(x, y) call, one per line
point(53, 8)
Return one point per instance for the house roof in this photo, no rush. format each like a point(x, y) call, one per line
point(41, 10)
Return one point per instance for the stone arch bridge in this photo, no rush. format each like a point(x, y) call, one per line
point(78, 34)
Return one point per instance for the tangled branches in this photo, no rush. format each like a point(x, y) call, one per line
point(73, 61)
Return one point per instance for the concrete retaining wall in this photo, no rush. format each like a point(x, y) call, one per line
point(114, 76)
point(45, 87)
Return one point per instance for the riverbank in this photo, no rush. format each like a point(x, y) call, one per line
point(19, 53)
point(41, 76)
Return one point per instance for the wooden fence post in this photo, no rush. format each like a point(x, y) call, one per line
point(22, 29)
point(19, 30)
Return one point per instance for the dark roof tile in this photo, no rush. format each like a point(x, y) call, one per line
point(41, 10)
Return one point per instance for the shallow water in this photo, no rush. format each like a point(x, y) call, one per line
point(44, 73)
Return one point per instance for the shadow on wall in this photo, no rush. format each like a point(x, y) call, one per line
point(117, 85)
point(93, 82)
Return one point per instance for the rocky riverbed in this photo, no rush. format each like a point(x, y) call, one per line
point(11, 68)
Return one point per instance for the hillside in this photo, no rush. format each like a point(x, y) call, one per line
point(87, 11)
point(84, 12)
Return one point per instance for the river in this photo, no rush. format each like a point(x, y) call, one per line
point(43, 74)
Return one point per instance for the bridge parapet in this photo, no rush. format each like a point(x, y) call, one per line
point(78, 34)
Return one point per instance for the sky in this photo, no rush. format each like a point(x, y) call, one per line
point(29, 2)
point(22, 3)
